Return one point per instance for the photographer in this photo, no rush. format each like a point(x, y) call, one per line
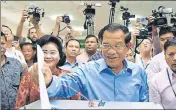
point(154, 36)
point(158, 62)
point(36, 29)
point(11, 50)
point(56, 29)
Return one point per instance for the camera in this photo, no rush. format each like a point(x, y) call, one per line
point(89, 11)
point(126, 15)
point(160, 18)
point(145, 32)
point(36, 12)
point(113, 2)
point(66, 19)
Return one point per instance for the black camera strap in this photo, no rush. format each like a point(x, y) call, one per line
point(170, 82)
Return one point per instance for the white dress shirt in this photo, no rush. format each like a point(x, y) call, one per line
point(160, 89)
point(157, 64)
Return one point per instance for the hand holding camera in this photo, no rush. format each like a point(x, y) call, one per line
point(24, 15)
point(58, 20)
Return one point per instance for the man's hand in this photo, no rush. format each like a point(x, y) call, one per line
point(69, 26)
point(24, 15)
point(150, 19)
point(135, 32)
point(58, 20)
point(46, 73)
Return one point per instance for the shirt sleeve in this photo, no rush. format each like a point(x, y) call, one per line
point(144, 92)
point(154, 95)
point(23, 92)
point(152, 69)
point(68, 84)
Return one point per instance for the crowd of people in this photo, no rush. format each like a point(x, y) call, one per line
point(109, 67)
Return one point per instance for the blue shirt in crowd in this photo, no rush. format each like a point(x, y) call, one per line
point(96, 81)
point(72, 68)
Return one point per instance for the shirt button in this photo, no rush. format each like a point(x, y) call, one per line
point(117, 91)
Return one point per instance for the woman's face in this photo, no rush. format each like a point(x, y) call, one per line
point(51, 54)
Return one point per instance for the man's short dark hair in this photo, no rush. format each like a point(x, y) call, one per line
point(89, 36)
point(165, 30)
point(66, 44)
point(27, 43)
point(3, 35)
point(7, 27)
point(170, 42)
point(114, 27)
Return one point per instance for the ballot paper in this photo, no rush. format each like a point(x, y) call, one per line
point(45, 104)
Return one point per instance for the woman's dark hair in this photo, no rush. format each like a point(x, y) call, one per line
point(170, 42)
point(49, 38)
point(114, 27)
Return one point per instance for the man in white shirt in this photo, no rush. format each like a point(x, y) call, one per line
point(145, 48)
point(158, 62)
point(163, 85)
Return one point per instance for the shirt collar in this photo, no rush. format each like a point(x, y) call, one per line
point(101, 65)
point(76, 62)
point(171, 74)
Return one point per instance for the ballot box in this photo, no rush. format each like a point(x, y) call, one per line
point(79, 104)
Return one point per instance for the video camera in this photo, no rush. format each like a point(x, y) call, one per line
point(89, 11)
point(126, 15)
point(113, 2)
point(160, 16)
point(36, 12)
point(66, 19)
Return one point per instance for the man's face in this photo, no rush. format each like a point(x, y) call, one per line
point(28, 52)
point(72, 49)
point(113, 48)
point(91, 45)
point(130, 56)
point(145, 46)
point(8, 33)
point(33, 34)
point(170, 56)
point(3, 45)
point(164, 38)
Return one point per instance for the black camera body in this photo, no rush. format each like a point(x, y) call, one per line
point(145, 32)
point(66, 19)
point(36, 12)
point(126, 15)
point(160, 21)
point(89, 11)
point(160, 18)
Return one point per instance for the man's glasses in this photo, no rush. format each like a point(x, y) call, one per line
point(116, 47)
